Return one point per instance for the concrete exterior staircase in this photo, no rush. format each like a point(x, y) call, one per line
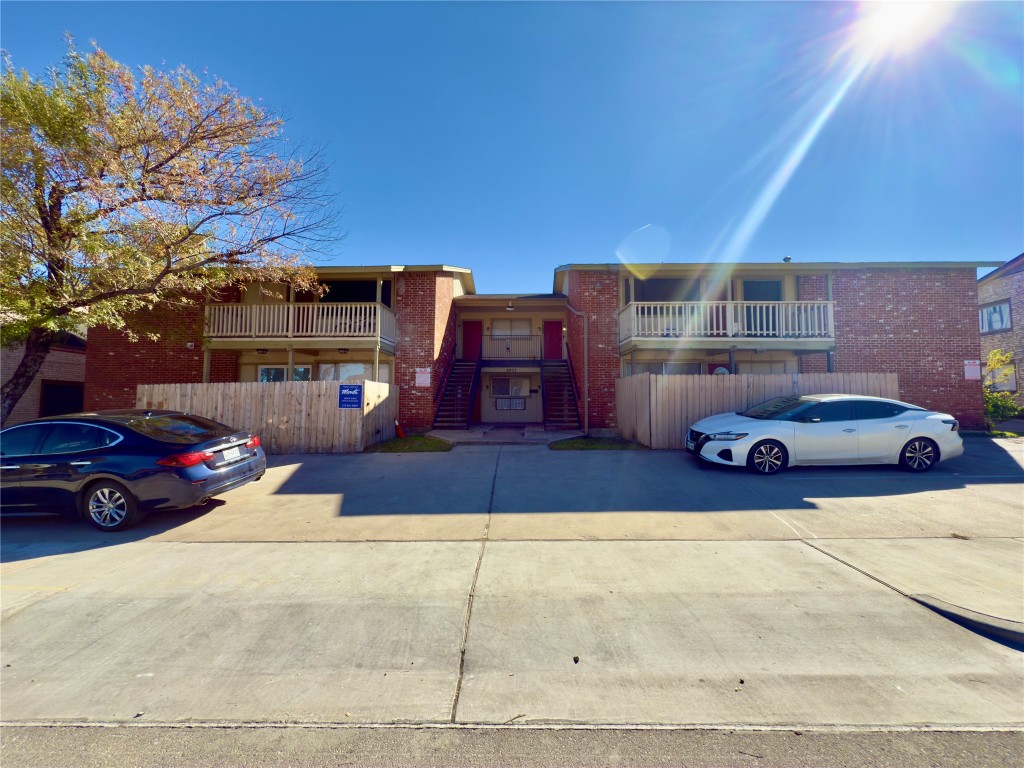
point(561, 411)
point(456, 404)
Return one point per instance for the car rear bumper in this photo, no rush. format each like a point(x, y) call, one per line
point(192, 486)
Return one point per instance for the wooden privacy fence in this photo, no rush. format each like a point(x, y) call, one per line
point(656, 411)
point(289, 417)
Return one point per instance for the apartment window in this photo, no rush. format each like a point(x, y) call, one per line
point(995, 318)
point(510, 327)
point(510, 386)
point(352, 373)
point(275, 373)
point(1001, 379)
point(664, 369)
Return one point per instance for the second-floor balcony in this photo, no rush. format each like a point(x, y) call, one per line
point(328, 320)
point(511, 347)
point(789, 321)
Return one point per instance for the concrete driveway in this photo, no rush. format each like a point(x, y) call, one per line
point(499, 584)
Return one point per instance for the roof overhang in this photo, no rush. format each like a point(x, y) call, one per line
point(369, 271)
point(518, 301)
point(724, 269)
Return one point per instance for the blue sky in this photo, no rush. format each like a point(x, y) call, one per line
point(514, 137)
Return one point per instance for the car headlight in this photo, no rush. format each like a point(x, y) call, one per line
point(727, 435)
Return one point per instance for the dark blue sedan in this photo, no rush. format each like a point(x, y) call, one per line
point(112, 467)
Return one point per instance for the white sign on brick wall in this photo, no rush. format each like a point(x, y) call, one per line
point(972, 370)
point(422, 377)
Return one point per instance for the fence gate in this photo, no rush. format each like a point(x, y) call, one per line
point(656, 411)
point(289, 416)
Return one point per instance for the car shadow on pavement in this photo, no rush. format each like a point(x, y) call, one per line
point(35, 536)
point(531, 479)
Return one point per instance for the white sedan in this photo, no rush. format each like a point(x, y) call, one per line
point(827, 429)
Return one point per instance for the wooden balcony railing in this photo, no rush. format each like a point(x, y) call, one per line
point(727, 319)
point(511, 348)
point(312, 320)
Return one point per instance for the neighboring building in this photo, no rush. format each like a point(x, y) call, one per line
point(1001, 318)
point(553, 359)
point(57, 388)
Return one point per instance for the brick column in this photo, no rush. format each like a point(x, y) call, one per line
point(597, 295)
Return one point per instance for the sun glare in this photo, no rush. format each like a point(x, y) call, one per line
point(898, 26)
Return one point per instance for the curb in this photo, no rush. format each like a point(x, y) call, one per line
point(1006, 631)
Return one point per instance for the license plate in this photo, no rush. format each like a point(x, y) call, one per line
point(689, 445)
point(232, 453)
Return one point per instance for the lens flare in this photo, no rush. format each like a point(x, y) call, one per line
point(896, 27)
point(642, 248)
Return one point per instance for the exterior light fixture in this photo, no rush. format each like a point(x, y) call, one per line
point(343, 350)
point(261, 351)
point(510, 308)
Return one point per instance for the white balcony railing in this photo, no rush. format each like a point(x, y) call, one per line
point(727, 319)
point(511, 347)
point(285, 321)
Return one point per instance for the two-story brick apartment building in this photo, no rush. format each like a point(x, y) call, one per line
point(914, 319)
point(459, 357)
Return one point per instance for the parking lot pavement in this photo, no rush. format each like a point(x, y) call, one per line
point(582, 632)
point(984, 575)
point(717, 632)
point(600, 587)
point(240, 632)
point(527, 492)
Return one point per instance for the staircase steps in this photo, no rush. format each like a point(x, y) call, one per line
point(456, 405)
point(561, 411)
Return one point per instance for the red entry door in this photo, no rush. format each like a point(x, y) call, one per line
point(472, 339)
point(552, 339)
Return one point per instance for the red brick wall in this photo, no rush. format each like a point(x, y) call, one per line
point(812, 288)
point(62, 364)
point(115, 365)
point(444, 323)
point(426, 339)
point(919, 323)
point(596, 294)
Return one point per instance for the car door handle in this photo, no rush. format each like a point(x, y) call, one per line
point(902, 426)
point(79, 463)
point(11, 466)
point(849, 430)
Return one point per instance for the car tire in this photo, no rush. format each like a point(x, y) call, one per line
point(767, 457)
point(109, 506)
point(919, 455)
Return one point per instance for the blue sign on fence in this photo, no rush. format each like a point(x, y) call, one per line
point(350, 395)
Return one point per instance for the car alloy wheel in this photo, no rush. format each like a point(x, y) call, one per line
point(110, 507)
point(767, 458)
point(919, 455)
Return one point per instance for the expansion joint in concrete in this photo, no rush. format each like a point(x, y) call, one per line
point(472, 590)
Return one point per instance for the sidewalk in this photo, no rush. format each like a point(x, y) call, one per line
point(493, 434)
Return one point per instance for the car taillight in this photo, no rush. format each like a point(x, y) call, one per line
point(254, 442)
point(185, 459)
point(953, 424)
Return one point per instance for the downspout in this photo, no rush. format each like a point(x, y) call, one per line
point(586, 368)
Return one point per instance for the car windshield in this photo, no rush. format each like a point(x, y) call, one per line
point(179, 428)
point(778, 408)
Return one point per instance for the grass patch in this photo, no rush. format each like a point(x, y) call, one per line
point(411, 444)
point(1003, 433)
point(595, 444)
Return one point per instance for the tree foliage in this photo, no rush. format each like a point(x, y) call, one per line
point(999, 405)
point(122, 189)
